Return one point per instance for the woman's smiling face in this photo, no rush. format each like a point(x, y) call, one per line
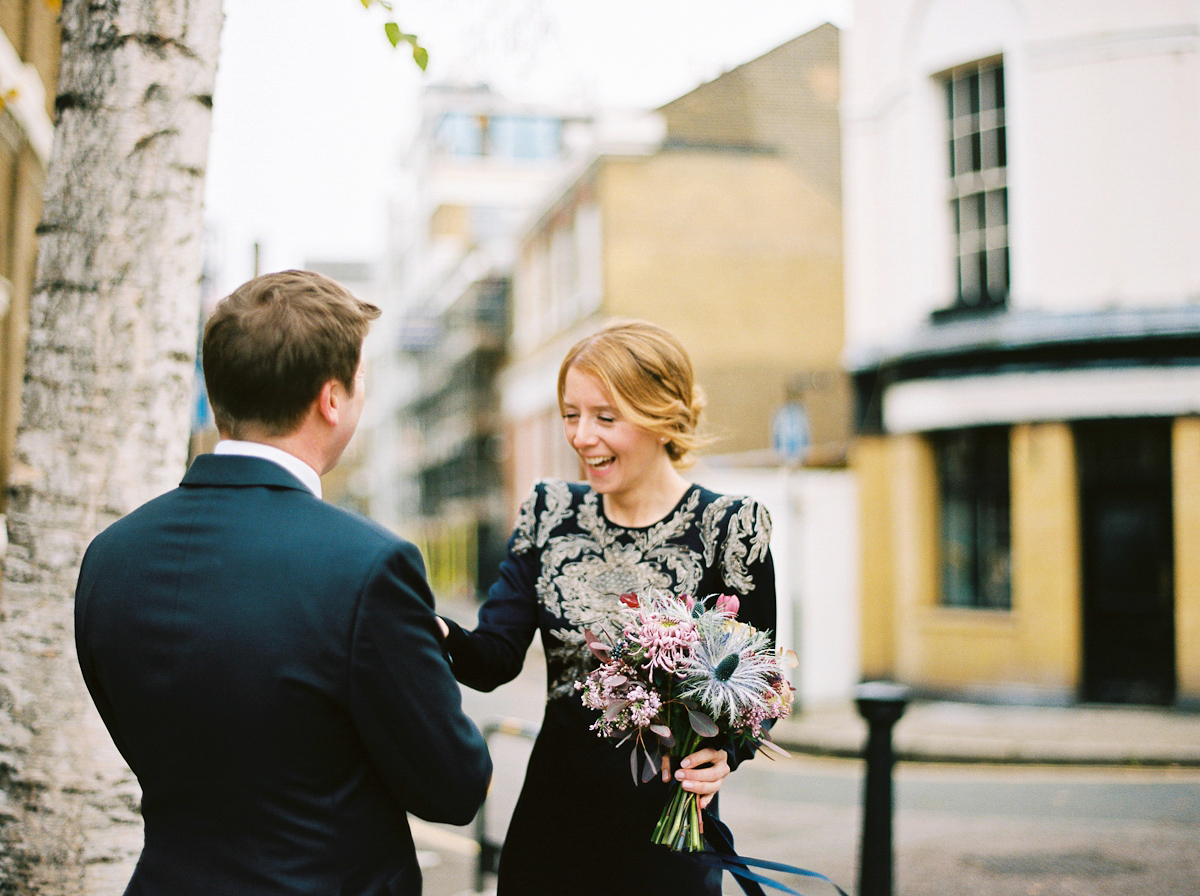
point(619, 457)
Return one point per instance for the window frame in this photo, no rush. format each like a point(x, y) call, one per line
point(977, 187)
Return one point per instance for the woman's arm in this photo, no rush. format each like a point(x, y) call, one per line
point(494, 652)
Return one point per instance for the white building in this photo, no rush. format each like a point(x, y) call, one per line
point(1022, 218)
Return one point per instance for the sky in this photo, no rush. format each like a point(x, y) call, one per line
point(313, 106)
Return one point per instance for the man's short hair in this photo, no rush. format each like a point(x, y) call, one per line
point(271, 344)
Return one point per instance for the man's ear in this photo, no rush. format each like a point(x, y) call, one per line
point(329, 402)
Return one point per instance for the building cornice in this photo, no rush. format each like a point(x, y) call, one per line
point(1035, 338)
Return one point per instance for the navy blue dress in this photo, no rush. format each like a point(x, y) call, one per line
point(581, 826)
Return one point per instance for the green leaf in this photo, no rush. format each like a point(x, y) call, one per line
point(392, 30)
point(420, 57)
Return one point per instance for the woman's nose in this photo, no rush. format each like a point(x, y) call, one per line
point(584, 433)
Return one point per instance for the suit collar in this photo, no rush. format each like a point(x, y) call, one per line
point(239, 470)
point(289, 462)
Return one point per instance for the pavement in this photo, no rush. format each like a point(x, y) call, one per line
point(949, 731)
point(941, 730)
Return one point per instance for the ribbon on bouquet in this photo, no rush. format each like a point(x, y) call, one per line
point(725, 857)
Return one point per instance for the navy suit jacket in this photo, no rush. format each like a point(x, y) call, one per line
point(270, 668)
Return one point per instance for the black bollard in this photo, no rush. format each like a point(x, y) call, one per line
point(882, 704)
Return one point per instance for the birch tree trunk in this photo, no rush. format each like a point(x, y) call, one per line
point(105, 409)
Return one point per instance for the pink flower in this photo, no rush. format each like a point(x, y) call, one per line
point(666, 638)
point(728, 603)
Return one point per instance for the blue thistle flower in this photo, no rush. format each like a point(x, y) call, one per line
point(730, 669)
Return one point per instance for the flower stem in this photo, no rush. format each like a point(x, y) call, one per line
point(679, 827)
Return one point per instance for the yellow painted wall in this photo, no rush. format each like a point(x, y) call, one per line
point(914, 511)
point(1047, 601)
point(1034, 648)
point(1185, 450)
point(739, 257)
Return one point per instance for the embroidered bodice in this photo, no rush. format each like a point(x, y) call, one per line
point(567, 565)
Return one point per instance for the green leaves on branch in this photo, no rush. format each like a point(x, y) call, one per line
point(395, 34)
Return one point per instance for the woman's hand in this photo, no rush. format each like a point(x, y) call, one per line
point(700, 773)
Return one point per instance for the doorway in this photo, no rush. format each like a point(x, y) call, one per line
point(1128, 575)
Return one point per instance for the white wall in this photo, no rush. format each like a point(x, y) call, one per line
point(814, 544)
point(1103, 115)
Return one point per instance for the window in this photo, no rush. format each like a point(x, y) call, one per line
point(972, 467)
point(978, 184)
point(460, 134)
point(524, 137)
point(519, 137)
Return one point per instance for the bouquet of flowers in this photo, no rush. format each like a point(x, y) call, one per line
point(684, 673)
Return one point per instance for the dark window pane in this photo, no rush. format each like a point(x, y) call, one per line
point(970, 213)
point(990, 148)
point(974, 512)
point(973, 92)
point(969, 277)
point(976, 152)
point(962, 98)
point(957, 554)
point(962, 155)
point(997, 274)
point(999, 85)
point(996, 202)
point(987, 89)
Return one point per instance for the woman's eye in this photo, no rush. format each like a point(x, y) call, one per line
point(604, 418)
point(570, 416)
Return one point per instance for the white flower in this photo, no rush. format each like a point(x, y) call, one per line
point(730, 668)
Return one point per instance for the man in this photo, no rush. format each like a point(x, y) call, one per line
point(269, 665)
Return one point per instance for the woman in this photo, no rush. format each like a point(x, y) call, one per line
point(630, 409)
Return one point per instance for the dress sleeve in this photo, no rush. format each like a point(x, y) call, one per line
point(748, 571)
point(747, 568)
point(494, 651)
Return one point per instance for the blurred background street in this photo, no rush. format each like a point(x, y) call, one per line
point(985, 828)
point(936, 264)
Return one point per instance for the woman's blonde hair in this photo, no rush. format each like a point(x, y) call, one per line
point(649, 375)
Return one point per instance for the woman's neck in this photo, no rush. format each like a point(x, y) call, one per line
point(648, 504)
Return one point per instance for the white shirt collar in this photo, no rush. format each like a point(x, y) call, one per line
point(289, 462)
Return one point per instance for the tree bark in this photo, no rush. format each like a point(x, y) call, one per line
point(105, 408)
